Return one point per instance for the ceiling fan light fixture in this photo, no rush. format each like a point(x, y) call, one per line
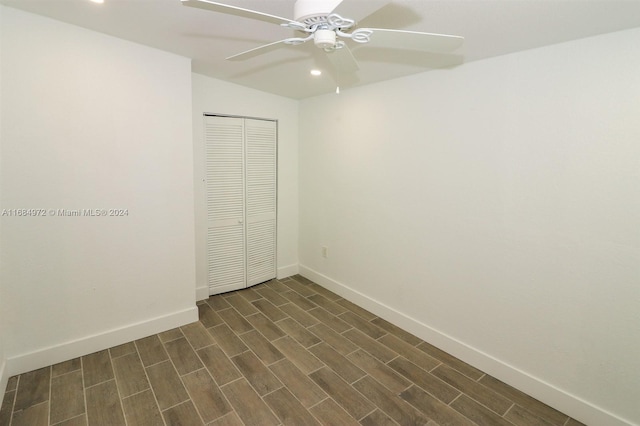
point(324, 39)
point(316, 73)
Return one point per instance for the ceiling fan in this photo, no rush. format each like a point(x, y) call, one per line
point(326, 23)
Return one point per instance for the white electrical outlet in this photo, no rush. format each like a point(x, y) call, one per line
point(325, 252)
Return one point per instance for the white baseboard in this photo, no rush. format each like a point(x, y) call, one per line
point(287, 271)
point(97, 342)
point(202, 293)
point(565, 402)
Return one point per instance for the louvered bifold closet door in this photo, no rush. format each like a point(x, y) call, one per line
point(225, 199)
point(261, 200)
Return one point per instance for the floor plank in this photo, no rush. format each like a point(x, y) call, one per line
point(103, 405)
point(130, 375)
point(207, 396)
point(288, 409)
point(248, 404)
point(256, 373)
point(166, 385)
point(141, 409)
point(346, 396)
point(67, 396)
point(33, 389)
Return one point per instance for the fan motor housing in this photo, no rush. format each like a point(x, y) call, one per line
point(313, 10)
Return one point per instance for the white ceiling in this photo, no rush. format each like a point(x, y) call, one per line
point(490, 28)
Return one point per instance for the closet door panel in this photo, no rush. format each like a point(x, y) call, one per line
point(226, 258)
point(225, 196)
point(261, 262)
point(261, 206)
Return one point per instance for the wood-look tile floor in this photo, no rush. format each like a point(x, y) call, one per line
point(284, 352)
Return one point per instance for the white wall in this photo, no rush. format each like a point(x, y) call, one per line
point(215, 96)
point(3, 377)
point(92, 122)
point(494, 210)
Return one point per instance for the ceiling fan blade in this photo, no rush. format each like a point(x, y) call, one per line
point(413, 40)
point(237, 11)
point(343, 61)
point(248, 54)
point(359, 9)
